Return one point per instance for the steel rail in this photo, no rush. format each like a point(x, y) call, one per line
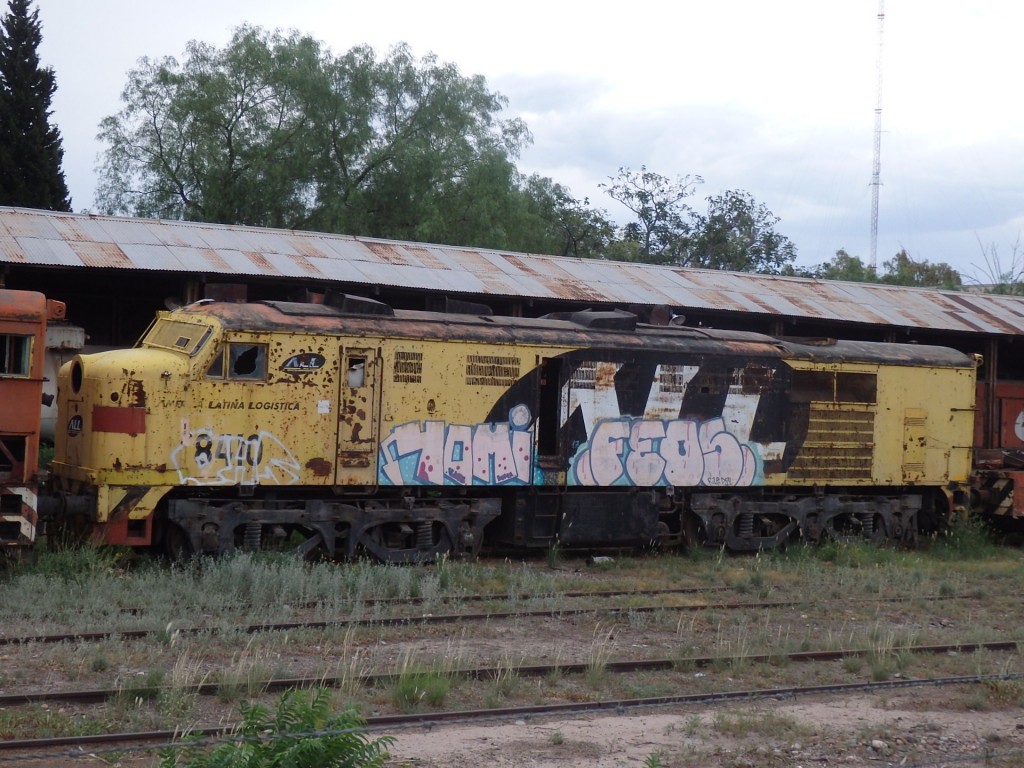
point(472, 598)
point(93, 696)
point(171, 739)
point(429, 618)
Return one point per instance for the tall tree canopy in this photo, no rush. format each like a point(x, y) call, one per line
point(564, 225)
point(736, 233)
point(901, 269)
point(275, 130)
point(30, 148)
point(663, 225)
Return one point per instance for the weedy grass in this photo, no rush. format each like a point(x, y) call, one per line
point(968, 540)
point(41, 722)
point(177, 698)
point(1003, 694)
point(351, 669)
point(600, 653)
point(418, 685)
point(139, 689)
point(246, 676)
point(732, 645)
point(853, 664)
point(553, 556)
point(886, 654)
point(747, 723)
point(506, 676)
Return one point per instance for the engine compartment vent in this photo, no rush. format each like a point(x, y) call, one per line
point(357, 305)
point(607, 319)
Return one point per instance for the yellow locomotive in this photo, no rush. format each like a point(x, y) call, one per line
point(351, 428)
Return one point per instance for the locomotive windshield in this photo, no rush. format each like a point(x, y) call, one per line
point(178, 336)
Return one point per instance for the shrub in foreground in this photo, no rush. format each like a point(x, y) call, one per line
point(302, 732)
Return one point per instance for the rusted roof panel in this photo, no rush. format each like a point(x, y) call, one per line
point(47, 252)
point(978, 322)
point(459, 281)
point(156, 257)
point(130, 231)
point(80, 240)
point(103, 255)
point(199, 259)
point(432, 258)
point(81, 228)
point(10, 252)
point(242, 262)
point(30, 223)
point(339, 270)
point(185, 237)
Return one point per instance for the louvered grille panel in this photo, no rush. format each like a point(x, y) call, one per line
point(838, 446)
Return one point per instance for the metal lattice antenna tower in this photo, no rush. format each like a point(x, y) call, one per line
point(876, 168)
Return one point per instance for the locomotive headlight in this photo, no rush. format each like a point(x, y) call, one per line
point(77, 376)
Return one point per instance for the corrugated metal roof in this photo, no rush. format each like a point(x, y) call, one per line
point(46, 238)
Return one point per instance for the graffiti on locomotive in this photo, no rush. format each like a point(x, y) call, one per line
point(206, 456)
point(617, 450)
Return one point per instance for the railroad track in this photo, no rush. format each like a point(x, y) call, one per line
point(80, 746)
point(427, 619)
point(496, 597)
point(94, 696)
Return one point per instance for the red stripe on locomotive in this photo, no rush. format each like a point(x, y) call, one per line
point(128, 421)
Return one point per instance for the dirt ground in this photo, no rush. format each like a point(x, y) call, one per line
point(925, 727)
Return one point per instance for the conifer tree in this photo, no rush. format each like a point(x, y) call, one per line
point(30, 149)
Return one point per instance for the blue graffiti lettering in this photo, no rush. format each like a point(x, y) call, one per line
point(438, 453)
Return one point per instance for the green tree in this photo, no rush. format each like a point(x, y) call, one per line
point(903, 270)
point(275, 130)
point(561, 224)
point(999, 276)
point(30, 148)
point(738, 234)
point(663, 226)
point(843, 266)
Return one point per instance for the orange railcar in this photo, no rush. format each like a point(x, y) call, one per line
point(23, 319)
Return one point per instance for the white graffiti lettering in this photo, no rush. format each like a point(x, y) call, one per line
point(676, 452)
point(207, 457)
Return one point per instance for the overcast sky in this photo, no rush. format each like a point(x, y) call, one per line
point(776, 98)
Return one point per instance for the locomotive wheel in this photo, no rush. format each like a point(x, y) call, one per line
point(176, 543)
point(694, 536)
point(422, 542)
point(307, 543)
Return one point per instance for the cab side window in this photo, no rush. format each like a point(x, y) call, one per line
point(15, 355)
point(240, 361)
point(355, 376)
